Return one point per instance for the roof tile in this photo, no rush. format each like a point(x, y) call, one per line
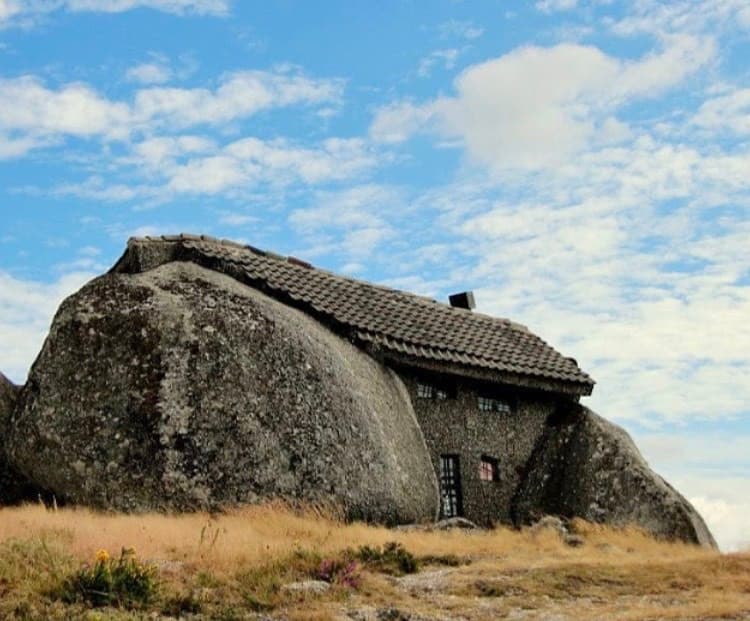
point(394, 320)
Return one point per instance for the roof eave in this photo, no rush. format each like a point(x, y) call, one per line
point(546, 384)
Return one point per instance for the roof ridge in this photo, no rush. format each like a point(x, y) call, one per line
point(307, 265)
point(403, 322)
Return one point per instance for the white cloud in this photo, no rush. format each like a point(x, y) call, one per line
point(355, 207)
point(26, 309)
point(457, 28)
point(33, 114)
point(239, 95)
point(726, 516)
point(552, 6)
point(632, 259)
point(9, 9)
point(447, 58)
point(686, 16)
point(26, 12)
point(36, 115)
point(178, 7)
point(149, 73)
point(728, 113)
point(710, 469)
point(11, 148)
point(168, 166)
point(237, 219)
point(209, 175)
point(251, 161)
point(97, 189)
point(155, 155)
point(352, 221)
point(535, 107)
point(397, 122)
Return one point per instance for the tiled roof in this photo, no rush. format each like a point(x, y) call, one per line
point(393, 321)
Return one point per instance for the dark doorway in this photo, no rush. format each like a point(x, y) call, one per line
point(450, 487)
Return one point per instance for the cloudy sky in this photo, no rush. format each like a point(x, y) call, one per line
point(582, 165)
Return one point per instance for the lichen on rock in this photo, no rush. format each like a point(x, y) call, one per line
point(585, 466)
point(181, 388)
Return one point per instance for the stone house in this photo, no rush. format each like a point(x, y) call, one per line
point(483, 389)
point(205, 374)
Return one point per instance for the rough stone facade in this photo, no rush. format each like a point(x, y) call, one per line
point(456, 426)
point(180, 388)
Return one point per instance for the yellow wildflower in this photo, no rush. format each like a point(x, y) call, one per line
point(102, 556)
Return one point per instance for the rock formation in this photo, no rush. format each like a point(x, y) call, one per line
point(200, 374)
point(13, 486)
point(180, 388)
point(8, 395)
point(585, 466)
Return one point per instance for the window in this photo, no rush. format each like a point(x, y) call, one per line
point(430, 391)
point(490, 404)
point(488, 470)
point(425, 391)
point(450, 487)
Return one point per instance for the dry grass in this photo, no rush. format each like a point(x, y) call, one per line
point(229, 565)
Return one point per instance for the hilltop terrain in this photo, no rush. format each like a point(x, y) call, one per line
point(272, 562)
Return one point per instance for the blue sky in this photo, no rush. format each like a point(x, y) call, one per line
point(582, 165)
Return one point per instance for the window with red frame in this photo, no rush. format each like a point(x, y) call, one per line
point(488, 469)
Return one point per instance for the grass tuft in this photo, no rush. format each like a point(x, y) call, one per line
point(124, 582)
point(244, 563)
point(392, 558)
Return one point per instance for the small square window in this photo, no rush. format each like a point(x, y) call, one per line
point(425, 391)
point(485, 404)
point(489, 404)
point(440, 392)
point(488, 469)
point(502, 406)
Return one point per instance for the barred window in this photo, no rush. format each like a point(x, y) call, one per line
point(485, 404)
point(430, 391)
point(425, 391)
point(488, 469)
point(490, 404)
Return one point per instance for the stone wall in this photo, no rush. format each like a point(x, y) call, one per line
point(457, 426)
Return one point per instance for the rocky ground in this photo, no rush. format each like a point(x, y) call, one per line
point(275, 563)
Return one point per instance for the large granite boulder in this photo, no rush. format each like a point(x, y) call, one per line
point(8, 395)
point(585, 466)
point(181, 388)
point(14, 487)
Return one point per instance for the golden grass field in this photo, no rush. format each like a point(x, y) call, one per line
point(235, 566)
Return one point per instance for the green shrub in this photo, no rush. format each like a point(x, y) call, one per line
point(391, 559)
point(125, 582)
point(448, 560)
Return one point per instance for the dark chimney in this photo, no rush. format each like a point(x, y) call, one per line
point(463, 300)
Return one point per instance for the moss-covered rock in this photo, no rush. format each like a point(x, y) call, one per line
point(181, 388)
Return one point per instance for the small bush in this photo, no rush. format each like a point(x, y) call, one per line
point(124, 582)
point(180, 604)
point(340, 572)
point(447, 560)
point(391, 559)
